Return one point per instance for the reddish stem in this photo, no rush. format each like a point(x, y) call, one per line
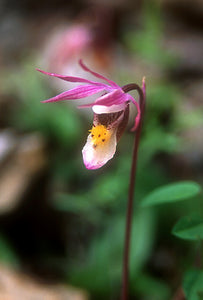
point(125, 275)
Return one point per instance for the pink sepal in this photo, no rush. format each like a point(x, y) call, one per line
point(78, 92)
point(72, 78)
point(116, 97)
point(85, 68)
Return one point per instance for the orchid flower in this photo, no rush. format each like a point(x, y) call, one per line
point(111, 112)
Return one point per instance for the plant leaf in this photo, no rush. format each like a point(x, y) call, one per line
point(189, 228)
point(193, 284)
point(172, 193)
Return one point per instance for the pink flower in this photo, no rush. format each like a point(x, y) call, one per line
point(66, 45)
point(111, 111)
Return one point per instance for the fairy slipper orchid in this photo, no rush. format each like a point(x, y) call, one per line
point(111, 112)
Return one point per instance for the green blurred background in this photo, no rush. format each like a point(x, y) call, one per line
point(62, 226)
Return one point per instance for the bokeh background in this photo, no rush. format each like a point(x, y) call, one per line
point(61, 226)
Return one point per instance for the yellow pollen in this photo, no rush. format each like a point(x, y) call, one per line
point(100, 135)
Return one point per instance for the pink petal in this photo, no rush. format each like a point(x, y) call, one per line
point(85, 68)
point(144, 87)
point(86, 105)
point(78, 92)
point(116, 97)
point(72, 78)
point(137, 121)
point(138, 116)
point(113, 98)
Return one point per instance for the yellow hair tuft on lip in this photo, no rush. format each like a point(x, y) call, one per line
point(100, 135)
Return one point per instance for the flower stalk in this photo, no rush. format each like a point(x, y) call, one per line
point(129, 213)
